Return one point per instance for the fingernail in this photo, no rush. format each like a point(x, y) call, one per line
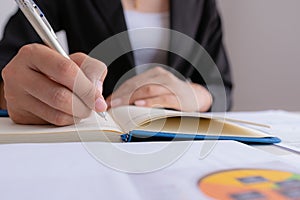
point(99, 86)
point(115, 102)
point(100, 105)
point(140, 103)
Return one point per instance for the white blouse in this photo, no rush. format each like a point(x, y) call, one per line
point(144, 57)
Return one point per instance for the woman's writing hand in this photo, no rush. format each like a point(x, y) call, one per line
point(41, 86)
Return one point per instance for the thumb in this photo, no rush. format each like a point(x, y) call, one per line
point(95, 71)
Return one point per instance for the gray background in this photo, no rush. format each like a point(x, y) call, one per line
point(262, 38)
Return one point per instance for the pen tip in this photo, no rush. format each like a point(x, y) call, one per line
point(103, 115)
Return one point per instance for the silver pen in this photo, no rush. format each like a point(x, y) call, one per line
point(41, 25)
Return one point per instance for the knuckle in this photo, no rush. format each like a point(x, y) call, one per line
point(149, 90)
point(165, 73)
point(7, 72)
point(89, 94)
point(169, 76)
point(102, 64)
point(11, 76)
point(61, 97)
point(65, 66)
point(9, 96)
point(26, 50)
point(61, 119)
point(158, 69)
point(94, 69)
point(102, 68)
point(161, 71)
point(15, 117)
point(80, 54)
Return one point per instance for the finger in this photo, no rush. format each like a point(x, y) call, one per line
point(94, 69)
point(62, 70)
point(144, 92)
point(164, 101)
point(24, 117)
point(40, 112)
point(55, 95)
point(51, 115)
point(148, 91)
point(96, 72)
point(156, 75)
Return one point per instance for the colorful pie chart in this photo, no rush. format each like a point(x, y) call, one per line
point(251, 184)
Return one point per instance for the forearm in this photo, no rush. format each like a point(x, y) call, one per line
point(2, 99)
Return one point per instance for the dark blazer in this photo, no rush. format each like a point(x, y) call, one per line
point(89, 22)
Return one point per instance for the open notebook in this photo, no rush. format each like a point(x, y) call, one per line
point(130, 123)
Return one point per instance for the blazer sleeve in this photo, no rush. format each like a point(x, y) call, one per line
point(19, 32)
point(210, 36)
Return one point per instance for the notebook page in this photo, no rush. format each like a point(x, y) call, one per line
point(154, 119)
point(94, 122)
point(131, 117)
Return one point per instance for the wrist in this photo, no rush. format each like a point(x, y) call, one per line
point(205, 98)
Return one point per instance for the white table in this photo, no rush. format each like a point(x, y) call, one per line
point(75, 171)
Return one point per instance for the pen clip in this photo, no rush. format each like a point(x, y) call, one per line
point(37, 10)
point(41, 25)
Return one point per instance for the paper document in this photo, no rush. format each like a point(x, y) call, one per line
point(72, 171)
point(285, 125)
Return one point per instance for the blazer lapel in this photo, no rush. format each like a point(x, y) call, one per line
point(113, 16)
point(112, 13)
point(185, 18)
point(185, 15)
